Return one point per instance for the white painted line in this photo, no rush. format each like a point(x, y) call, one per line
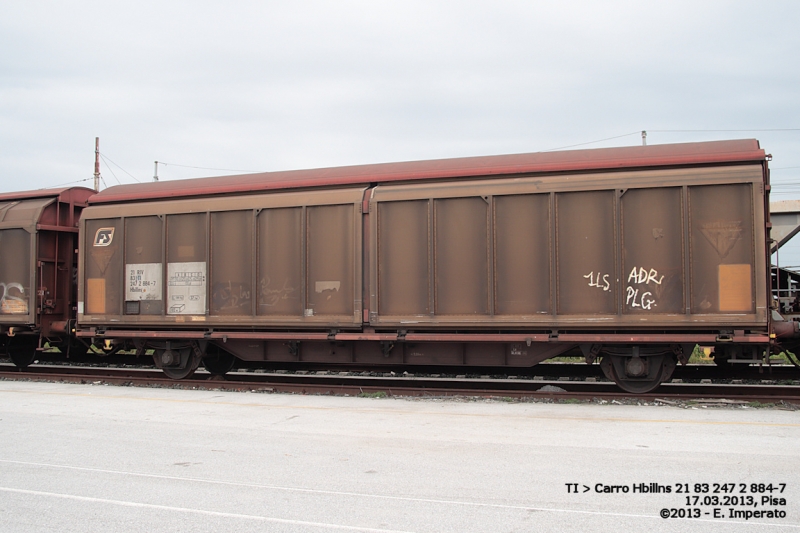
point(198, 511)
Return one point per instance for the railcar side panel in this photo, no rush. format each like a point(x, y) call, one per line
point(232, 234)
point(461, 261)
point(586, 253)
point(267, 260)
point(330, 281)
point(403, 258)
point(144, 252)
point(281, 276)
point(653, 256)
point(103, 267)
point(18, 255)
point(38, 239)
point(16, 296)
point(522, 261)
point(722, 253)
point(644, 249)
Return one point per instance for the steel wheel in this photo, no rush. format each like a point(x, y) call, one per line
point(22, 354)
point(638, 375)
point(218, 362)
point(179, 373)
point(176, 363)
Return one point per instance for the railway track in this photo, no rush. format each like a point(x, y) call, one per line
point(345, 383)
point(548, 370)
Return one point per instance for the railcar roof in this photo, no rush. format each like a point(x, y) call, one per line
point(80, 192)
point(601, 159)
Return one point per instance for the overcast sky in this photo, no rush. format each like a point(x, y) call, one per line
point(260, 86)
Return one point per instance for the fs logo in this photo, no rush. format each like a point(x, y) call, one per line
point(104, 236)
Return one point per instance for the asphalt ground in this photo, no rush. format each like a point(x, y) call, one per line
point(81, 458)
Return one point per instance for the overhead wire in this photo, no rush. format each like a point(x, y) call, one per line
point(725, 131)
point(107, 159)
point(115, 176)
point(672, 131)
point(64, 184)
point(592, 142)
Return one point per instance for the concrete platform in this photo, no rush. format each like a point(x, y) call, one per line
point(79, 458)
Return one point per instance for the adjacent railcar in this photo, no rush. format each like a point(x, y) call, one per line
point(38, 269)
point(630, 255)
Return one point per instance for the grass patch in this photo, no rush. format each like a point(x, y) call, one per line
point(785, 358)
point(699, 357)
point(377, 394)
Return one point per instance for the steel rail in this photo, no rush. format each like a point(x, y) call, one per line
point(553, 370)
point(338, 384)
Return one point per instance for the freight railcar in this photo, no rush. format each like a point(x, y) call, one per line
point(38, 269)
point(630, 256)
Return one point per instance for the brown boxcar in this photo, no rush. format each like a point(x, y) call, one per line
point(633, 255)
point(38, 268)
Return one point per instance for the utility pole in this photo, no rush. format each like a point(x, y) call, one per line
point(644, 138)
point(97, 164)
point(155, 174)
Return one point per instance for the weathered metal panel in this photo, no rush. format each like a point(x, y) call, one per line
point(280, 262)
point(489, 354)
point(432, 353)
point(652, 251)
point(28, 257)
point(403, 258)
point(50, 218)
point(23, 213)
point(722, 249)
point(593, 233)
point(462, 256)
point(187, 264)
point(232, 263)
point(327, 352)
point(144, 270)
point(298, 252)
point(522, 256)
point(586, 244)
point(39, 230)
point(16, 294)
point(330, 265)
point(74, 195)
point(102, 246)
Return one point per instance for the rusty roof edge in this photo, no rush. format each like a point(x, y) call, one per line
point(602, 159)
point(43, 193)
